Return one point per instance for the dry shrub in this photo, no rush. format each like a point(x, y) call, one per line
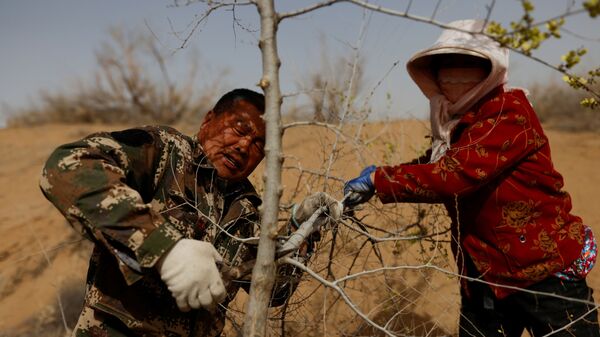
point(403, 292)
point(329, 97)
point(331, 91)
point(399, 312)
point(406, 301)
point(558, 107)
point(131, 85)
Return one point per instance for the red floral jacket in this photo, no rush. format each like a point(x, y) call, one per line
point(498, 183)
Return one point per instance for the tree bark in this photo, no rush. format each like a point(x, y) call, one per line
point(264, 272)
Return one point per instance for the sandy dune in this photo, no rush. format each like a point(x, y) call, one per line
point(40, 253)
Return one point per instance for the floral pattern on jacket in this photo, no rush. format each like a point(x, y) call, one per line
point(502, 192)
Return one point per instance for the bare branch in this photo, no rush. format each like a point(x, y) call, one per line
point(315, 173)
point(437, 6)
point(431, 21)
point(309, 9)
point(365, 4)
point(393, 238)
point(213, 6)
point(49, 264)
point(331, 127)
point(490, 9)
point(340, 291)
point(554, 18)
point(348, 98)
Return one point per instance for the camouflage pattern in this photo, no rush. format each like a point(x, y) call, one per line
point(135, 193)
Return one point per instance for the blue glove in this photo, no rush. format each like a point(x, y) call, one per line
point(359, 189)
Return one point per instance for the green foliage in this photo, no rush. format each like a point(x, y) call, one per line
point(593, 7)
point(572, 58)
point(576, 82)
point(587, 83)
point(590, 102)
point(526, 36)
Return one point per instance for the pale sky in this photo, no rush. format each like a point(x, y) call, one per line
point(49, 45)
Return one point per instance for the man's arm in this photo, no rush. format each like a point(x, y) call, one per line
point(94, 183)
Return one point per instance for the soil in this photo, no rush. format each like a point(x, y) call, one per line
point(42, 257)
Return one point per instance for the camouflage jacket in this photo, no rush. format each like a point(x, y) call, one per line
point(135, 193)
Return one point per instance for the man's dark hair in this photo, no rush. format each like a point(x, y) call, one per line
point(226, 102)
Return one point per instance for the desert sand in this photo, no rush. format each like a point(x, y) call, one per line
point(40, 254)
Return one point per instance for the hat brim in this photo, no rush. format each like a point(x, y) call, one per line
point(449, 50)
point(423, 58)
point(417, 66)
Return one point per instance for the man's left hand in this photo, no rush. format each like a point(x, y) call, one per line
point(361, 188)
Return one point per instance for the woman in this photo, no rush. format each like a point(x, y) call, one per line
point(490, 165)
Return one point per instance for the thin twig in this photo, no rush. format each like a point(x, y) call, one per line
point(305, 10)
point(437, 6)
point(490, 9)
point(340, 291)
point(49, 264)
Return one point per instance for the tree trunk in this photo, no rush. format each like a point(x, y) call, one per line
point(263, 274)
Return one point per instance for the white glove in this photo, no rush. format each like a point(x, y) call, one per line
point(312, 203)
point(190, 273)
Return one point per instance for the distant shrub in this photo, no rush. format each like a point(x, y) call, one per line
point(126, 89)
point(558, 107)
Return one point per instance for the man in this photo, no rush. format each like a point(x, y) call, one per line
point(164, 210)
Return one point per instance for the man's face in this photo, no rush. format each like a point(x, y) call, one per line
point(234, 140)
